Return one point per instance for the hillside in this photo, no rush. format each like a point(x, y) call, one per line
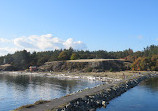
point(85, 65)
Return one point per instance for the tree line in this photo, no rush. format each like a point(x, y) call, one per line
point(141, 60)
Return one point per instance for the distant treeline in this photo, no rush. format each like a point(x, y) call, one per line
point(142, 60)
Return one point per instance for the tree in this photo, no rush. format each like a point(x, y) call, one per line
point(21, 59)
point(145, 64)
point(33, 59)
point(154, 63)
point(54, 56)
point(42, 60)
point(74, 56)
point(63, 56)
point(136, 64)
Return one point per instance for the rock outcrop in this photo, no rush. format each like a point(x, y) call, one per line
point(7, 67)
point(90, 65)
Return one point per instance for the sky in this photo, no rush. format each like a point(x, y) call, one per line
point(112, 25)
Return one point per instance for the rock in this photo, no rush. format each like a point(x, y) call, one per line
point(93, 109)
point(68, 105)
point(104, 103)
point(98, 102)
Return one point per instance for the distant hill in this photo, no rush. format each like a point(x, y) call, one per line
point(85, 65)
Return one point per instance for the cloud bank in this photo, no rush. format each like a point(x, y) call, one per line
point(38, 43)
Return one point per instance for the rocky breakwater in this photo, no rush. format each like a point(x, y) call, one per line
point(102, 98)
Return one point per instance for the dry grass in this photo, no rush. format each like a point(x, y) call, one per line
point(32, 105)
point(94, 60)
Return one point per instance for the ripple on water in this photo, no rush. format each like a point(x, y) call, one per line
point(16, 91)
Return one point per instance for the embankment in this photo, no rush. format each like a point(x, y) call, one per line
point(85, 65)
point(89, 99)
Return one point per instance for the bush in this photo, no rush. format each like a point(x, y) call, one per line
point(111, 70)
point(63, 55)
point(89, 69)
point(74, 56)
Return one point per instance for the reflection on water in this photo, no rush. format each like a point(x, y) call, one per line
point(23, 89)
point(151, 84)
point(143, 97)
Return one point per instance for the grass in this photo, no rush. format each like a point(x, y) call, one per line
point(32, 105)
point(94, 60)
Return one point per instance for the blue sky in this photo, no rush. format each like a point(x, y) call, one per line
point(83, 24)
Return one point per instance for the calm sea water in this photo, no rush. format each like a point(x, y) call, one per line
point(143, 97)
point(20, 90)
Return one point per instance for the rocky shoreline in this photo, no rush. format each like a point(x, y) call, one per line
point(65, 75)
point(89, 99)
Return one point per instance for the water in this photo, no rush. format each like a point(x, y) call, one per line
point(143, 97)
point(16, 91)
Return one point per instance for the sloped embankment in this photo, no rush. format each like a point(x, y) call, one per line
point(87, 65)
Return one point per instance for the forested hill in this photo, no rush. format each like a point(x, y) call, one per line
point(142, 60)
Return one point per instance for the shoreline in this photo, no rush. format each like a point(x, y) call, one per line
point(87, 98)
point(94, 76)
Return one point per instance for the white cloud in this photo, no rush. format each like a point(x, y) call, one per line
point(4, 40)
point(40, 43)
point(74, 44)
point(7, 50)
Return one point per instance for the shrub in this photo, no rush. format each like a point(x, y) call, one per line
point(89, 69)
point(74, 56)
point(111, 70)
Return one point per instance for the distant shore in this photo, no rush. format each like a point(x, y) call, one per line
point(95, 76)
